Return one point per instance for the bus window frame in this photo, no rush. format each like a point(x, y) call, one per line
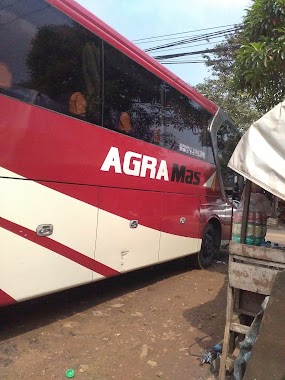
point(218, 121)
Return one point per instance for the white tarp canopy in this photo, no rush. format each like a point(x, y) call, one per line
point(260, 154)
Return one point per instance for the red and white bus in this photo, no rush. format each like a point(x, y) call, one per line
point(108, 161)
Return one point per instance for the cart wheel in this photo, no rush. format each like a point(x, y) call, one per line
point(209, 248)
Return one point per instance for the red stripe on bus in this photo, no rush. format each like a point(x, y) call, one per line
point(5, 299)
point(59, 248)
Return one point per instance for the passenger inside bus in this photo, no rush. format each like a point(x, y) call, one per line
point(7, 87)
point(124, 123)
point(5, 76)
point(77, 104)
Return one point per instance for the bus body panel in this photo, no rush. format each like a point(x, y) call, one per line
point(126, 243)
point(180, 214)
point(115, 202)
point(36, 270)
point(50, 164)
point(46, 149)
point(212, 207)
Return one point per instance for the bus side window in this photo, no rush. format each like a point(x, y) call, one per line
point(132, 89)
point(227, 139)
point(55, 62)
point(186, 126)
point(93, 79)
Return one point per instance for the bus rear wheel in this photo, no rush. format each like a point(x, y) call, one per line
point(209, 248)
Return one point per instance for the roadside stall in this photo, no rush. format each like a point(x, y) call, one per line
point(254, 262)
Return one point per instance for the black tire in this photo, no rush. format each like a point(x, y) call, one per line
point(210, 248)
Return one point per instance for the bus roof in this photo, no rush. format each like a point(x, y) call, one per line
point(93, 23)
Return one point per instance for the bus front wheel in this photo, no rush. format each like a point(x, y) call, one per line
point(210, 247)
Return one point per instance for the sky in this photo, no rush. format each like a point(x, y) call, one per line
point(137, 19)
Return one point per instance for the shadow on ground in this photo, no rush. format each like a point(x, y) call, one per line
point(26, 316)
point(209, 319)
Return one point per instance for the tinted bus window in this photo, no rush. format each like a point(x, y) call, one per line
point(132, 100)
point(227, 139)
point(52, 61)
point(49, 60)
point(186, 126)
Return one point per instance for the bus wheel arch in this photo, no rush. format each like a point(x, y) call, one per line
point(210, 245)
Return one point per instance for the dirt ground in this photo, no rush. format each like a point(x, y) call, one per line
point(148, 324)
point(136, 326)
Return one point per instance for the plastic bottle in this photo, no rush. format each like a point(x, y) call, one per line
point(250, 238)
point(255, 229)
point(259, 232)
point(251, 229)
point(236, 228)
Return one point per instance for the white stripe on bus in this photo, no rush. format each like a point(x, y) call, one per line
point(30, 204)
point(28, 270)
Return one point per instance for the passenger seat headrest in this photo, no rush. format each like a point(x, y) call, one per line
point(5, 76)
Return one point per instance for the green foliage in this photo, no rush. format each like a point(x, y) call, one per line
point(238, 106)
point(260, 61)
point(221, 89)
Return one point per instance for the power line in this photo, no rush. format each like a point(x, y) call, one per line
point(194, 39)
point(189, 31)
point(163, 39)
point(205, 43)
point(193, 61)
point(200, 37)
point(206, 51)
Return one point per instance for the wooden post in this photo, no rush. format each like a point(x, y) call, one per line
point(246, 199)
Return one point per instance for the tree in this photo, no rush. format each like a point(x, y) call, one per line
point(261, 59)
point(238, 106)
point(221, 88)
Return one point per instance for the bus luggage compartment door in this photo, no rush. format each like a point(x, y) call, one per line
point(48, 262)
point(128, 231)
point(180, 226)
